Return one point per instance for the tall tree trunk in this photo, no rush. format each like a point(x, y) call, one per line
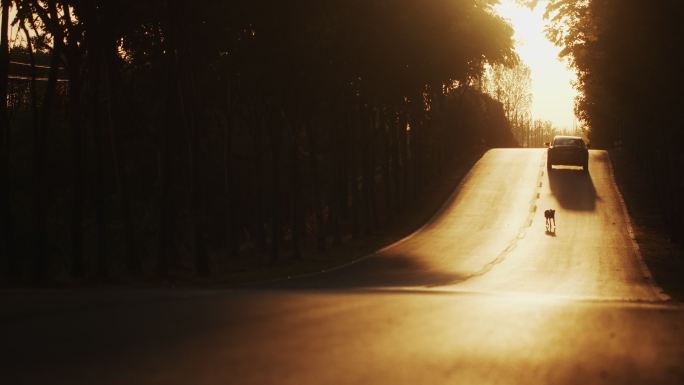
point(417, 148)
point(6, 225)
point(316, 177)
point(170, 147)
point(35, 119)
point(387, 129)
point(276, 220)
point(99, 137)
point(296, 192)
point(77, 172)
point(199, 195)
point(369, 173)
point(166, 214)
point(259, 183)
point(232, 238)
point(172, 142)
point(133, 261)
point(345, 165)
point(40, 151)
point(77, 176)
point(96, 45)
point(183, 21)
point(400, 166)
point(354, 161)
point(338, 182)
point(188, 111)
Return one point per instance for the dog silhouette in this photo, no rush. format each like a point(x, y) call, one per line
point(550, 216)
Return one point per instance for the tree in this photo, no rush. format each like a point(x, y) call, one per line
point(622, 53)
point(6, 225)
point(512, 86)
point(287, 125)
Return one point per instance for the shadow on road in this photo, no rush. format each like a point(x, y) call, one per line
point(573, 189)
point(386, 270)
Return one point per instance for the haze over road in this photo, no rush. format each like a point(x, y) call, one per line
point(480, 295)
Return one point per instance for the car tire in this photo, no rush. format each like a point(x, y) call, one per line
point(549, 166)
point(585, 168)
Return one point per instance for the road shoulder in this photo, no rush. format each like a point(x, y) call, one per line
point(664, 258)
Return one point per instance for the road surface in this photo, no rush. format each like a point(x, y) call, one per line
point(482, 294)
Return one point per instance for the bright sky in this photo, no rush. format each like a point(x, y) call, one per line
point(551, 78)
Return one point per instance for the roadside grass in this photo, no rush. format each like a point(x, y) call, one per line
point(664, 258)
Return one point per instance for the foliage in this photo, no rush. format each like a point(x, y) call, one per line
point(205, 127)
point(625, 54)
point(512, 86)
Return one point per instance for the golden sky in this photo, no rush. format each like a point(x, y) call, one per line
point(551, 78)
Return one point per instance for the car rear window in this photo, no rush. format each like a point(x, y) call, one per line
point(568, 142)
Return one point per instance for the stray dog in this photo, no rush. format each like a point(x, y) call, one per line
point(550, 216)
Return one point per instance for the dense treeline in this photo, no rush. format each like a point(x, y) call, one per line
point(512, 86)
point(159, 130)
point(625, 54)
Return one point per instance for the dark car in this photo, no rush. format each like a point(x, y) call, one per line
point(567, 151)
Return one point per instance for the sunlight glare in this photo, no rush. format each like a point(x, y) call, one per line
point(553, 93)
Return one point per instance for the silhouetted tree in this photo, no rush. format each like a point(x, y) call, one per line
point(630, 87)
point(6, 222)
point(512, 86)
point(265, 125)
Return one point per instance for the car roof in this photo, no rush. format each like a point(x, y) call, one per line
point(566, 137)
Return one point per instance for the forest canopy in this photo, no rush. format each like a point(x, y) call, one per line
point(630, 78)
point(137, 133)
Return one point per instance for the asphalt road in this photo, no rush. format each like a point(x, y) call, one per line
point(482, 294)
